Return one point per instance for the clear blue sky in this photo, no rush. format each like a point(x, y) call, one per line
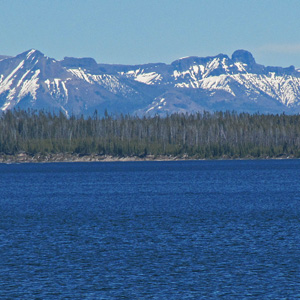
point(139, 31)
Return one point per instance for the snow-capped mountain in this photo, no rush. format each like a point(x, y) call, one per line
point(190, 84)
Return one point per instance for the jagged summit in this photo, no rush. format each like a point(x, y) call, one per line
point(189, 84)
point(31, 53)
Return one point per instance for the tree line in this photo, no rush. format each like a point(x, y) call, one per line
point(200, 135)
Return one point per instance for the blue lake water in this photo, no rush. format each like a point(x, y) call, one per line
point(150, 230)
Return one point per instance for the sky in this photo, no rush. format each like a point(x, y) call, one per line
point(140, 31)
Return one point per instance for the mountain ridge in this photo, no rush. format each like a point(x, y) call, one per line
point(187, 85)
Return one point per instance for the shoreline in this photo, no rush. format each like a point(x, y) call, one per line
point(67, 157)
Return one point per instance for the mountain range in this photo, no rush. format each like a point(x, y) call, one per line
point(187, 85)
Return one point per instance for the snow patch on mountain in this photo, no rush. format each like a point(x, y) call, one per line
point(30, 86)
point(157, 104)
point(23, 77)
point(149, 78)
point(109, 82)
point(7, 82)
point(286, 89)
point(80, 74)
point(221, 82)
point(30, 53)
point(63, 84)
point(211, 66)
point(240, 67)
point(57, 88)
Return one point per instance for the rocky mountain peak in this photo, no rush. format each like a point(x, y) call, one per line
point(243, 56)
point(31, 54)
point(85, 62)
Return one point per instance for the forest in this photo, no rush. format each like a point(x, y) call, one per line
point(200, 136)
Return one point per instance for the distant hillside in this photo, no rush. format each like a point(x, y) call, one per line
point(4, 57)
point(192, 84)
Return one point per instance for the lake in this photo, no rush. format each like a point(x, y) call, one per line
point(150, 230)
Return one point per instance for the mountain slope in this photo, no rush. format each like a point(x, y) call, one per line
point(191, 84)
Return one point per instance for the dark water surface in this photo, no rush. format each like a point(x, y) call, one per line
point(150, 230)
